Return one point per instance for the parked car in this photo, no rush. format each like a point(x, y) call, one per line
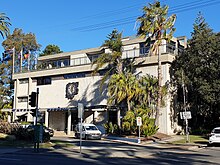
point(215, 136)
point(45, 129)
point(89, 131)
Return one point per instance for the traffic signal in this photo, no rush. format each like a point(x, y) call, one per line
point(33, 99)
point(33, 112)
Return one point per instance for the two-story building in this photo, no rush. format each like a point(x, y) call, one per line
point(66, 79)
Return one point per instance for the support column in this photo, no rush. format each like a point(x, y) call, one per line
point(29, 90)
point(69, 123)
point(15, 103)
point(46, 118)
point(119, 118)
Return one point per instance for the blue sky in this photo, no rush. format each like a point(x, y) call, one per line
point(75, 25)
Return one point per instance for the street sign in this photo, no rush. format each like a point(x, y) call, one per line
point(185, 115)
point(80, 110)
point(139, 121)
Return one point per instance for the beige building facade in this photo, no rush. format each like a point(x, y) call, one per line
point(66, 79)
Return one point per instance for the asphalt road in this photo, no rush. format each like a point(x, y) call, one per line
point(107, 152)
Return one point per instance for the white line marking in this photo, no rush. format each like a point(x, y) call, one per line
point(11, 159)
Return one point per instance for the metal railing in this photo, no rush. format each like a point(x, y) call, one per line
point(132, 53)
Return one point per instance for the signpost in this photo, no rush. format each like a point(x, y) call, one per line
point(186, 115)
point(80, 116)
point(139, 123)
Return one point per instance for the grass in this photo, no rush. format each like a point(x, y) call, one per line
point(7, 141)
point(196, 139)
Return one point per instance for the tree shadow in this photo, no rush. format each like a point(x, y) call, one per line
point(112, 153)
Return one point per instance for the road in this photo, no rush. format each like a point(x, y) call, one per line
point(102, 152)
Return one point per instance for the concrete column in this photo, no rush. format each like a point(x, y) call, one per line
point(15, 94)
point(46, 118)
point(15, 103)
point(69, 123)
point(29, 91)
point(13, 116)
point(119, 118)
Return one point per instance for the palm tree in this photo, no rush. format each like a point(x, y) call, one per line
point(4, 25)
point(112, 60)
point(123, 86)
point(156, 25)
point(148, 89)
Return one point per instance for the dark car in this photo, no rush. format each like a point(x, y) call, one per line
point(45, 129)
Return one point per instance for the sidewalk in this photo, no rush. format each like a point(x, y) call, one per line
point(160, 143)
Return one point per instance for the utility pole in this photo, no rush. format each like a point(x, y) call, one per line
point(184, 106)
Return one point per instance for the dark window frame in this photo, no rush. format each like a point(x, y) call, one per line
point(44, 81)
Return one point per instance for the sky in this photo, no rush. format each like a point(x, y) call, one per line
point(75, 25)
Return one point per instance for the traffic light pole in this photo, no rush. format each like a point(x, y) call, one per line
point(36, 142)
point(37, 94)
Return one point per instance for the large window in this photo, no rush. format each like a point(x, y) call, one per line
point(43, 80)
point(77, 75)
point(22, 99)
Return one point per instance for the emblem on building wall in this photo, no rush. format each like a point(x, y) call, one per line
point(72, 90)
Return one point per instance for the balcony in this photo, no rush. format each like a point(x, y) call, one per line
point(63, 63)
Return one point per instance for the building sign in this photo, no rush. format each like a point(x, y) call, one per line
point(72, 90)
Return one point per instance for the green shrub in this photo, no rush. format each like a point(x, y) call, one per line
point(111, 128)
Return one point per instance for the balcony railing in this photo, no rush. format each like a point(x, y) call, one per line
point(133, 53)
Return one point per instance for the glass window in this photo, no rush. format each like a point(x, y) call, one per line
point(74, 75)
point(44, 80)
point(22, 99)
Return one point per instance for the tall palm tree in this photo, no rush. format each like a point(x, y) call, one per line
point(113, 59)
point(156, 25)
point(4, 25)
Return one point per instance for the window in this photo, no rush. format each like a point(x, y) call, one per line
point(23, 81)
point(74, 75)
point(144, 49)
point(171, 47)
point(22, 99)
point(43, 80)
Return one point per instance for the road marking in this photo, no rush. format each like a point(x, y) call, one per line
point(11, 159)
point(104, 148)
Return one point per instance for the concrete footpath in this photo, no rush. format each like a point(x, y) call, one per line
point(161, 143)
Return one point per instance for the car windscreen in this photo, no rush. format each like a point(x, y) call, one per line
point(90, 128)
point(216, 131)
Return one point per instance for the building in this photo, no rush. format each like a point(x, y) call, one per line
point(66, 79)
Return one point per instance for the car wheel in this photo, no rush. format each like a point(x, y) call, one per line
point(86, 137)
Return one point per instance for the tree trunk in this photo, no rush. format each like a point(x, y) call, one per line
point(129, 105)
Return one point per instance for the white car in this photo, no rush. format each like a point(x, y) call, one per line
point(215, 136)
point(89, 131)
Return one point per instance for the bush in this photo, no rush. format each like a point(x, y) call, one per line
point(7, 128)
point(148, 127)
point(111, 128)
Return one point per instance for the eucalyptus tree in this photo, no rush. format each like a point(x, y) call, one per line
point(4, 25)
point(16, 41)
point(200, 65)
point(155, 25)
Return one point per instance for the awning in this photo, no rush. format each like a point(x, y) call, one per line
point(87, 108)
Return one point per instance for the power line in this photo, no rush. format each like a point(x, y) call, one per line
point(110, 13)
point(129, 20)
